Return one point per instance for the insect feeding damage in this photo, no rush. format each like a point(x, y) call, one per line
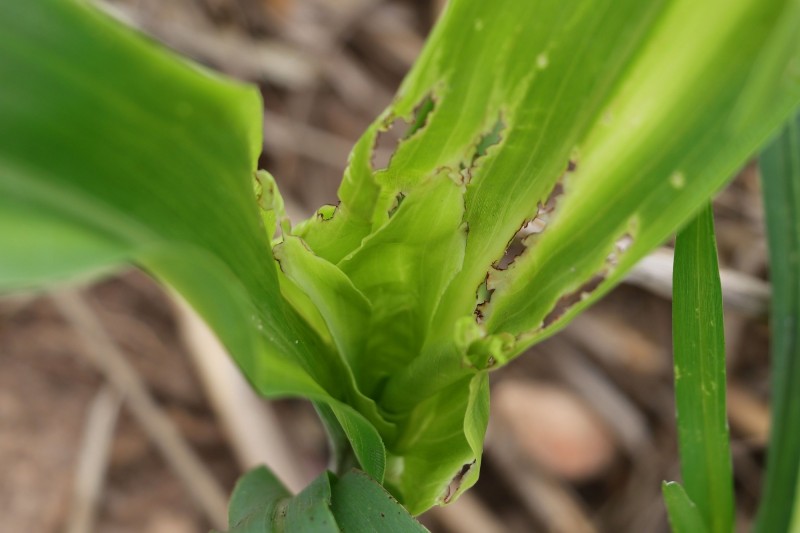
point(533, 226)
point(579, 282)
point(455, 484)
point(487, 140)
point(621, 245)
point(396, 129)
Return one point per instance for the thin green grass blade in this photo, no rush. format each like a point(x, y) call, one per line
point(699, 359)
point(684, 517)
point(780, 168)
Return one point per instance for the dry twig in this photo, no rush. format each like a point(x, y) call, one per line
point(100, 349)
point(546, 498)
point(740, 292)
point(98, 436)
point(250, 424)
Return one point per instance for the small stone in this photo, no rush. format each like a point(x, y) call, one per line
point(553, 428)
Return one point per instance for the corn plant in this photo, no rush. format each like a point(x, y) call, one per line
point(587, 132)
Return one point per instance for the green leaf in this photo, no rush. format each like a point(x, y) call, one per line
point(341, 305)
point(361, 504)
point(310, 511)
point(438, 457)
point(672, 133)
point(492, 131)
point(403, 269)
point(684, 517)
point(699, 357)
point(795, 525)
point(338, 300)
point(367, 443)
point(652, 102)
point(113, 150)
point(641, 96)
point(342, 457)
point(355, 502)
point(780, 167)
point(261, 504)
point(258, 498)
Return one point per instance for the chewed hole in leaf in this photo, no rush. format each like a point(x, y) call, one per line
point(397, 201)
point(386, 143)
point(531, 227)
point(490, 139)
point(621, 246)
point(398, 129)
point(568, 300)
point(482, 298)
point(421, 114)
point(487, 140)
point(455, 483)
point(549, 206)
point(515, 248)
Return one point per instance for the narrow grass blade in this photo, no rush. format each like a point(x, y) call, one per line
point(780, 166)
point(684, 517)
point(699, 352)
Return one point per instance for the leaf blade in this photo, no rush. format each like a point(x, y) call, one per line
point(255, 501)
point(361, 504)
point(149, 159)
point(780, 167)
point(699, 359)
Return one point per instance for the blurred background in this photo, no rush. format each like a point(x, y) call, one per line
point(582, 430)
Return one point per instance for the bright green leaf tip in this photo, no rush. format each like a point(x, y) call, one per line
point(684, 517)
